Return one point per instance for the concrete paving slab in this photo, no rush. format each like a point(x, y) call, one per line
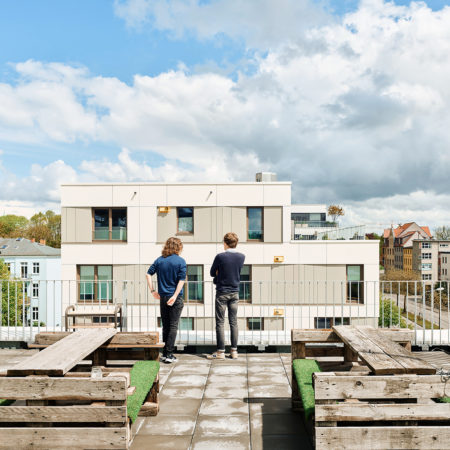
point(167, 425)
point(179, 406)
point(224, 407)
point(221, 425)
point(187, 380)
point(277, 424)
point(266, 369)
point(267, 379)
point(281, 442)
point(220, 443)
point(272, 391)
point(212, 391)
point(269, 358)
point(229, 369)
point(182, 392)
point(191, 368)
point(146, 442)
point(227, 380)
point(270, 406)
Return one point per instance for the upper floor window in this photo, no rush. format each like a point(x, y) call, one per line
point(95, 283)
point(110, 224)
point(426, 276)
point(426, 244)
point(426, 255)
point(34, 313)
point(36, 268)
point(255, 229)
point(194, 287)
point(355, 284)
point(255, 323)
point(245, 287)
point(185, 220)
point(35, 292)
point(427, 266)
point(24, 270)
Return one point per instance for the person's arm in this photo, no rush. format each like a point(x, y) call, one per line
point(181, 280)
point(214, 267)
point(150, 272)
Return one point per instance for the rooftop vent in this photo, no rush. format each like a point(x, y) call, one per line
point(266, 177)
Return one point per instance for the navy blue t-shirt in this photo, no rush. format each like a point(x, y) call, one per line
point(170, 270)
point(228, 266)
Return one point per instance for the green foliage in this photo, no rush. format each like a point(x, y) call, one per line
point(390, 315)
point(12, 297)
point(12, 226)
point(142, 375)
point(303, 370)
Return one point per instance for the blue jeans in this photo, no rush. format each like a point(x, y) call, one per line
point(223, 302)
point(170, 316)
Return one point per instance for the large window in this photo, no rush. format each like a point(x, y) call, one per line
point(328, 322)
point(194, 287)
point(255, 323)
point(185, 220)
point(24, 270)
point(355, 284)
point(110, 224)
point(245, 287)
point(36, 268)
point(95, 283)
point(255, 229)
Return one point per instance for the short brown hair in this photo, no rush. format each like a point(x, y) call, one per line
point(231, 240)
point(172, 245)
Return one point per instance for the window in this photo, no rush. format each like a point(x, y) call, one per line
point(426, 255)
point(95, 283)
point(328, 322)
point(24, 270)
point(36, 268)
point(255, 323)
point(110, 224)
point(444, 260)
point(426, 266)
point(255, 231)
point(355, 284)
point(9, 267)
point(35, 290)
point(185, 220)
point(35, 313)
point(426, 244)
point(426, 276)
point(245, 287)
point(186, 323)
point(194, 286)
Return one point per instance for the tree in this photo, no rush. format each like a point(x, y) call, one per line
point(12, 297)
point(46, 226)
point(442, 233)
point(400, 282)
point(335, 211)
point(12, 226)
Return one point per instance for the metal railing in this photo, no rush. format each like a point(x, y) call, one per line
point(267, 311)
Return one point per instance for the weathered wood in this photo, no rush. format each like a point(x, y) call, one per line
point(56, 437)
point(99, 357)
point(329, 386)
point(320, 351)
point(89, 312)
point(60, 357)
point(362, 412)
point(149, 409)
point(131, 390)
point(382, 438)
point(374, 356)
point(121, 338)
point(410, 362)
point(45, 388)
point(395, 334)
point(78, 414)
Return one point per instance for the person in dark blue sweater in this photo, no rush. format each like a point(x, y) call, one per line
point(226, 270)
point(171, 271)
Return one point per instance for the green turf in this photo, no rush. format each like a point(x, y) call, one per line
point(142, 375)
point(303, 370)
point(445, 400)
point(4, 402)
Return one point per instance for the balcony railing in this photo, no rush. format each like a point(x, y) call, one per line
point(316, 223)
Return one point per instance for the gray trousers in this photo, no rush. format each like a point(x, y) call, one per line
point(224, 302)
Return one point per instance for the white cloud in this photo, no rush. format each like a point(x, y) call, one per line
point(354, 112)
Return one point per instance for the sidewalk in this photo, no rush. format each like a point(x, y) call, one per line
point(231, 404)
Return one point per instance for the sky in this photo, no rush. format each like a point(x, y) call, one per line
point(348, 99)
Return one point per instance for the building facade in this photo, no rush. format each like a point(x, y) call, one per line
point(111, 233)
point(38, 266)
point(431, 258)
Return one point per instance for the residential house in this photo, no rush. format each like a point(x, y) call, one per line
point(431, 258)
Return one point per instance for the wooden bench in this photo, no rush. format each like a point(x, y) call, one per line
point(74, 312)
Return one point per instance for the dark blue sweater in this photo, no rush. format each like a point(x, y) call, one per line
point(228, 266)
point(170, 271)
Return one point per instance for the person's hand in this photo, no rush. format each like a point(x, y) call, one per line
point(156, 295)
point(171, 300)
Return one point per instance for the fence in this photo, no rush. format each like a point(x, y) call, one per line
point(267, 311)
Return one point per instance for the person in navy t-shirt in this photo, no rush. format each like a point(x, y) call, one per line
point(171, 271)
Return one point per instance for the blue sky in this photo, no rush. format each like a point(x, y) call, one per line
point(253, 86)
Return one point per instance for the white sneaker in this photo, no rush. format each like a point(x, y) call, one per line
point(216, 355)
point(234, 354)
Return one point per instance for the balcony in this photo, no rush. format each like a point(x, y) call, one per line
point(315, 224)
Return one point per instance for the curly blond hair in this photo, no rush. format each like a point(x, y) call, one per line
point(172, 245)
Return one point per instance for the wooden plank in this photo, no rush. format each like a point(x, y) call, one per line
point(92, 312)
point(60, 357)
point(46, 388)
point(120, 338)
point(56, 437)
point(105, 414)
point(328, 386)
point(361, 412)
point(395, 334)
point(410, 362)
point(93, 325)
point(377, 438)
point(369, 352)
point(149, 409)
point(317, 352)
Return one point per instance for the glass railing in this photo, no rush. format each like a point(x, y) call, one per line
point(117, 233)
point(316, 223)
point(101, 233)
point(256, 235)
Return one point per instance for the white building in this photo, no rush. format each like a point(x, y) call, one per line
point(112, 232)
point(38, 266)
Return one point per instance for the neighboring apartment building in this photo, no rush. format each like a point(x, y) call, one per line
point(39, 267)
point(398, 245)
point(431, 258)
point(112, 232)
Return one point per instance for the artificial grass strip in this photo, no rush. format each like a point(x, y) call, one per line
point(142, 375)
point(303, 370)
point(4, 402)
point(445, 400)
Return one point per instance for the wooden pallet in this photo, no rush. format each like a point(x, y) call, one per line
point(380, 412)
